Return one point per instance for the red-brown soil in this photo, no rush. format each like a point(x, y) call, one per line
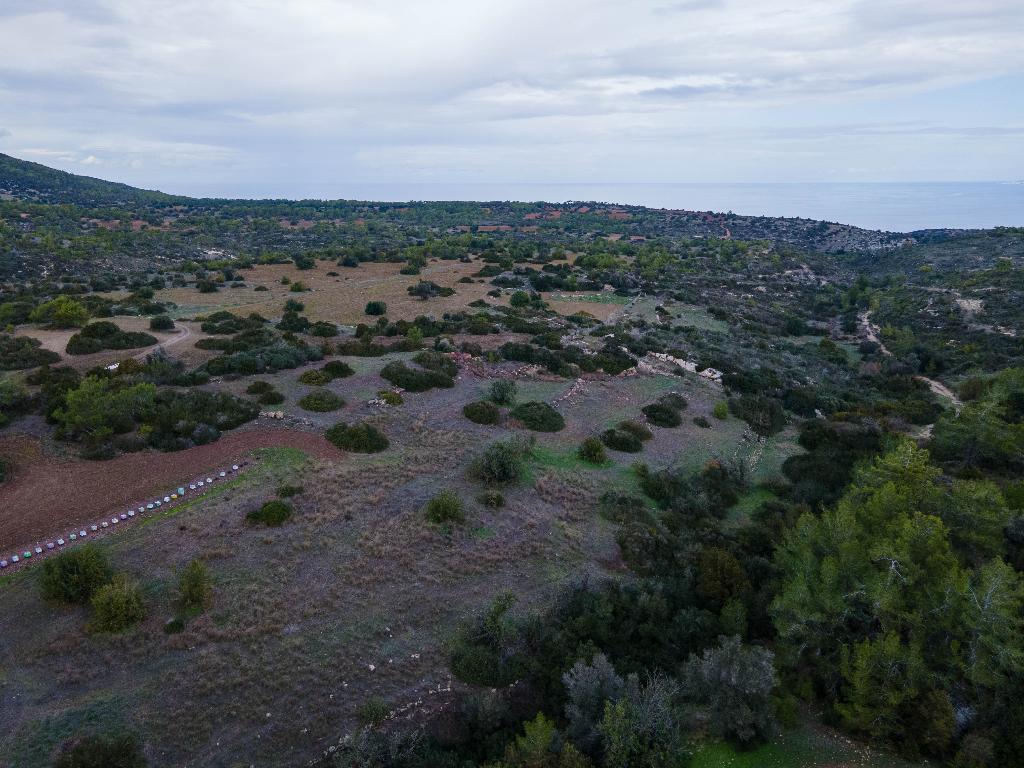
point(48, 496)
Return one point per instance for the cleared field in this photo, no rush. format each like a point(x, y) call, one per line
point(49, 495)
point(342, 298)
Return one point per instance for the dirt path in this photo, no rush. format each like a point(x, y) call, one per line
point(873, 333)
point(184, 333)
point(48, 496)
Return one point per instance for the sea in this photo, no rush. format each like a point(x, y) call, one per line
point(893, 207)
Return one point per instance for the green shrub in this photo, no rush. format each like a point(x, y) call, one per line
point(500, 463)
point(503, 391)
point(323, 329)
point(75, 574)
point(117, 605)
point(174, 626)
point(287, 491)
point(321, 401)
point(721, 410)
point(376, 308)
point(161, 323)
point(271, 398)
point(635, 428)
point(540, 417)
point(437, 361)
point(520, 299)
point(259, 388)
point(195, 587)
point(492, 499)
point(390, 397)
point(662, 415)
point(622, 440)
point(407, 378)
point(272, 513)
point(4, 463)
point(373, 711)
point(95, 751)
point(445, 507)
point(592, 450)
point(359, 438)
point(338, 369)
point(20, 352)
point(700, 421)
point(315, 378)
point(482, 412)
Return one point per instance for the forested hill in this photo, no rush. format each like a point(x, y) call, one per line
point(29, 182)
point(24, 180)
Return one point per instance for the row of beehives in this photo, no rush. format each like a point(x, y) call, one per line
point(85, 531)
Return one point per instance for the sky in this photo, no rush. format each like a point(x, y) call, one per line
point(264, 96)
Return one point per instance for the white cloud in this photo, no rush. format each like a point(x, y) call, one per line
point(196, 90)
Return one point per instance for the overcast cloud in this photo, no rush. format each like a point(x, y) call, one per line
point(269, 97)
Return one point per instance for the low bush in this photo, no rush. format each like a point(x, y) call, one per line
point(323, 329)
point(102, 335)
point(359, 438)
point(75, 575)
point(700, 421)
point(414, 380)
point(592, 451)
point(390, 397)
point(376, 308)
point(445, 507)
point(272, 513)
point(721, 410)
point(492, 499)
point(107, 751)
point(315, 378)
point(482, 412)
point(373, 711)
point(161, 323)
point(259, 388)
point(117, 606)
point(195, 587)
point(321, 401)
point(338, 369)
point(635, 428)
point(540, 417)
point(503, 391)
point(287, 491)
point(622, 440)
point(20, 352)
point(273, 397)
point(501, 463)
point(662, 415)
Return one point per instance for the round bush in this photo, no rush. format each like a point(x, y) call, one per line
point(635, 428)
point(338, 369)
point(503, 391)
point(540, 417)
point(482, 412)
point(117, 605)
point(674, 401)
point(621, 440)
point(700, 421)
point(259, 388)
point(721, 410)
point(376, 308)
point(445, 507)
point(271, 398)
point(161, 323)
point(75, 575)
point(500, 463)
point(321, 401)
point(359, 438)
point(315, 378)
point(661, 415)
point(273, 513)
point(592, 450)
